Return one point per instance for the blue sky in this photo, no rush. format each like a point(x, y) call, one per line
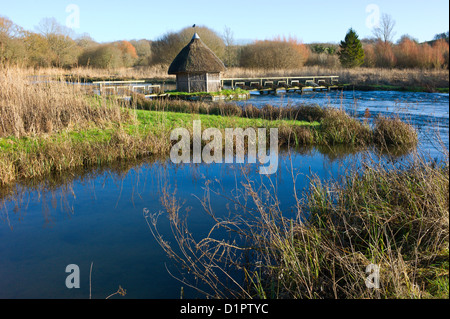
point(309, 21)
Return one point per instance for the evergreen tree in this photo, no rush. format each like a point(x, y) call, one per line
point(351, 54)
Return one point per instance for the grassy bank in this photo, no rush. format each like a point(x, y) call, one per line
point(396, 219)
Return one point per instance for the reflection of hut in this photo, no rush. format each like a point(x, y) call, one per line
point(197, 68)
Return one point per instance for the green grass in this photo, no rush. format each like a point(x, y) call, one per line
point(437, 276)
point(173, 120)
point(222, 92)
point(148, 122)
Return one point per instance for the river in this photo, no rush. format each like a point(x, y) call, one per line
point(95, 217)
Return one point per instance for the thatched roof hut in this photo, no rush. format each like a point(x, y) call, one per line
point(197, 68)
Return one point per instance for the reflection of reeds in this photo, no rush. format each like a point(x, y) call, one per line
point(55, 191)
point(394, 218)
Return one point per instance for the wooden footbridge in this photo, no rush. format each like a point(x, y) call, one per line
point(273, 85)
point(126, 88)
point(265, 85)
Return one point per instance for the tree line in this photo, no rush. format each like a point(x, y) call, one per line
point(54, 45)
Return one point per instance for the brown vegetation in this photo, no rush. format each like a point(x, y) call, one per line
point(28, 108)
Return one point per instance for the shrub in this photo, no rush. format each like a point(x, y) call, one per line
point(407, 53)
point(338, 127)
point(394, 132)
point(441, 49)
point(384, 54)
point(369, 56)
point(129, 55)
point(274, 54)
point(105, 56)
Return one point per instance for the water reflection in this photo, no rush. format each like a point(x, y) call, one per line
point(96, 216)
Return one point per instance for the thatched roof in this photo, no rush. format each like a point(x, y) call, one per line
point(196, 57)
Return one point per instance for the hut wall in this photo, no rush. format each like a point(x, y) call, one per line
point(213, 82)
point(198, 82)
point(182, 82)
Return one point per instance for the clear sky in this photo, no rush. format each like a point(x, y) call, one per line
point(309, 21)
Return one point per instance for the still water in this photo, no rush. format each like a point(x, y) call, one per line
point(96, 216)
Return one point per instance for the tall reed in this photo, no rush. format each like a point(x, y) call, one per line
point(31, 106)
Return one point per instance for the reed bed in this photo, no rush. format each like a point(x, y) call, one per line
point(32, 107)
point(303, 112)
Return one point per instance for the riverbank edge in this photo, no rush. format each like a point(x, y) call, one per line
point(148, 133)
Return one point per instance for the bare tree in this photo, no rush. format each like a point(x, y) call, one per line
point(59, 37)
point(230, 49)
point(50, 26)
point(385, 31)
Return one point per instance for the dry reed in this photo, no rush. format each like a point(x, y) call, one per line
point(32, 107)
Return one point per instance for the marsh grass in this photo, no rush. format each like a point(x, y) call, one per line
point(31, 108)
point(336, 126)
point(310, 113)
point(394, 131)
point(393, 217)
